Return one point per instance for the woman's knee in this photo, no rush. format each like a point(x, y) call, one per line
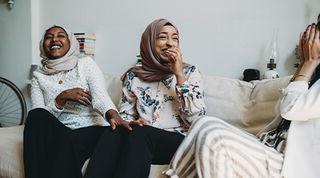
point(38, 115)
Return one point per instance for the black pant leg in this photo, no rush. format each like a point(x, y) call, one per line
point(145, 146)
point(50, 148)
point(104, 160)
point(84, 141)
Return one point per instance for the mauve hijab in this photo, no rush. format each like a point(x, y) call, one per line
point(67, 62)
point(152, 69)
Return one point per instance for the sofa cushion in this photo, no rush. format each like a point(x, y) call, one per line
point(247, 105)
point(11, 154)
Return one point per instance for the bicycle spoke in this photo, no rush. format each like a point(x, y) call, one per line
point(7, 106)
point(12, 104)
point(2, 94)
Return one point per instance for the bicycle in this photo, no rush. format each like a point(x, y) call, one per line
point(13, 108)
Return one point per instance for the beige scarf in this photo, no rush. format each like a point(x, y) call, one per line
point(67, 62)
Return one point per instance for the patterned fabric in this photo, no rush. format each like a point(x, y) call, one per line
point(166, 105)
point(86, 75)
point(215, 149)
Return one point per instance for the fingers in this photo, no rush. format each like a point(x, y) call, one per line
point(307, 34)
point(144, 121)
point(84, 100)
point(113, 124)
point(174, 55)
point(140, 122)
point(317, 35)
point(126, 124)
point(300, 51)
point(136, 122)
point(312, 33)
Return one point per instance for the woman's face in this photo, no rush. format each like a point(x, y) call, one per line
point(167, 38)
point(56, 43)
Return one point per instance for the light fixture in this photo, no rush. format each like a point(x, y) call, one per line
point(10, 3)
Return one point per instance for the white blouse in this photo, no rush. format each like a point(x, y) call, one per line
point(86, 75)
point(302, 106)
point(165, 104)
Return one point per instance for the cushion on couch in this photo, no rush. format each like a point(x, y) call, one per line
point(11, 153)
point(248, 105)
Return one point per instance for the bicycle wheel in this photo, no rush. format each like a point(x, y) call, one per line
point(13, 109)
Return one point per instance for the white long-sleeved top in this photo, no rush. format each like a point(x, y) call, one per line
point(86, 75)
point(165, 104)
point(302, 106)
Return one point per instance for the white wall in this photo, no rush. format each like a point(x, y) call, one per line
point(222, 37)
point(15, 47)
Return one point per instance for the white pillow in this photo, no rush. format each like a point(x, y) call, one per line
point(11, 152)
point(263, 103)
point(226, 98)
point(247, 105)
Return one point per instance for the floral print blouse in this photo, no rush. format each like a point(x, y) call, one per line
point(164, 104)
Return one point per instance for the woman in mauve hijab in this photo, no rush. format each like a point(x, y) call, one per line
point(162, 97)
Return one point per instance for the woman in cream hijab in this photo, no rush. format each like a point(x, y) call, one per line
point(70, 108)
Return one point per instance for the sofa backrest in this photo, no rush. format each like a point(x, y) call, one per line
point(248, 105)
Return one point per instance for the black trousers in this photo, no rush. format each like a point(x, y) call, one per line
point(129, 154)
point(52, 150)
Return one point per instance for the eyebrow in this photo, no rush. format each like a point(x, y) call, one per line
point(59, 33)
point(167, 33)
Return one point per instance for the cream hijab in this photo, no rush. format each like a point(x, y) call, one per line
point(67, 62)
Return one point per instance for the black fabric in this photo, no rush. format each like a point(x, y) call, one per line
point(52, 150)
point(129, 154)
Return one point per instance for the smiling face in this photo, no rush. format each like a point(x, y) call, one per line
point(168, 37)
point(56, 43)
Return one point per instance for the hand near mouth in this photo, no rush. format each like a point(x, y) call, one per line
point(175, 59)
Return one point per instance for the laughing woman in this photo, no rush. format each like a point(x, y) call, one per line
point(164, 96)
point(69, 101)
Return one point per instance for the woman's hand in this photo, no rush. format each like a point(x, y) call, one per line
point(79, 95)
point(175, 57)
point(309, 46)
point(140, 122)
point(115, 120)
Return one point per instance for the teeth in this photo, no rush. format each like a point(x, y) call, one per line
point(55, 47)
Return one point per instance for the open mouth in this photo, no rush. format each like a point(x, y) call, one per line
point(55, 46)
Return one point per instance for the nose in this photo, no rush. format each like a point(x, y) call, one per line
point(169, 42)
point(54, 38)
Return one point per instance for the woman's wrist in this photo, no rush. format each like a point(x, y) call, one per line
point(60, 100)
point(180, 79)
point(111, 113)
point(305, 70)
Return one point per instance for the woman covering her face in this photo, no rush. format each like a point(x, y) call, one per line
point(164, 96)
point(215, 149)
point(70, 102)
point(301, 105)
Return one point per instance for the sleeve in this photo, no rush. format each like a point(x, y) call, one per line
point(37, 99)
point(299, 103)
point(191, 96)
point(101, 100)
point(127, 104)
